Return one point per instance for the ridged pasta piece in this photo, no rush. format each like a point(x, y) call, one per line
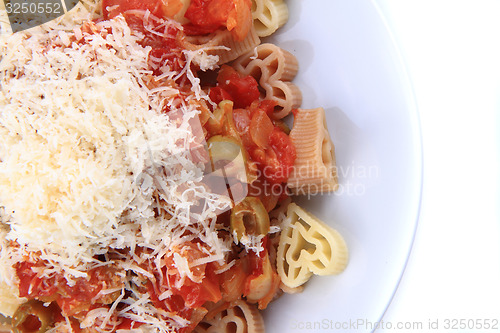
point(274, 63)
point(273, 68)
point(308, 246)
point(240, 317)
point(315, 168)
point(288, 290)
point(287, 96)
point(222, 44)
point(268, 16)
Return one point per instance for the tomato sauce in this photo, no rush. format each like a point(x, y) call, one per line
point(71, 298)
point(264, 139)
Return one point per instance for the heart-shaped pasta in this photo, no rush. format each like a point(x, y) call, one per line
point(308, 246)
point(268, 16)
point(273, 68)
point(239, 318)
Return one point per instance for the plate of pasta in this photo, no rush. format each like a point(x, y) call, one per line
point(204, 166)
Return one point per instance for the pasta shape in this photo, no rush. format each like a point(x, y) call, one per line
point(222, 44)
point(273, 68)
point(308, 246)
point(268, 16)
point(288, 290)
point(239, 318)
point(315, 167)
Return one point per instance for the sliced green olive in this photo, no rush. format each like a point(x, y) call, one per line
point(32, 317)
point(249, 217)
point(227, 153)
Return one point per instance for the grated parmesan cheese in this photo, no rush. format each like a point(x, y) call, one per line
point(9, 300)
point(86, 156)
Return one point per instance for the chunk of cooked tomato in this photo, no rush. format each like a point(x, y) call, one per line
point(190, 294)
point(70, 298)
point(207, 16)
point(285, 152)
point(273, 151)
point(197, 294)
point(231, 85)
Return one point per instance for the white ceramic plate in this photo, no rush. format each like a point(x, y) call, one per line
point(350, 66)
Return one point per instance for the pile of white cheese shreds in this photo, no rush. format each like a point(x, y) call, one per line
point(86, 156)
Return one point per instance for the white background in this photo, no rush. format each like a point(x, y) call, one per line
point(452, 52)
